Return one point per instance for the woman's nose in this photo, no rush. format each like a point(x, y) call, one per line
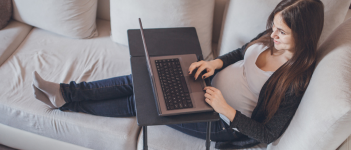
point(274, 34)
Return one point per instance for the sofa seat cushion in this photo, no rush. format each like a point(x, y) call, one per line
point(11, 37)
point(59, 59)
point(163, 137)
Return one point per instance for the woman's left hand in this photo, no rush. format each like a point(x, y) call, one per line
point(215, 98)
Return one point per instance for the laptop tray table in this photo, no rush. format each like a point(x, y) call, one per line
point(144, 100)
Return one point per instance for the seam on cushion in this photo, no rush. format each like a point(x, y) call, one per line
point(60, 119)
point(70, 123)
point(319, 139)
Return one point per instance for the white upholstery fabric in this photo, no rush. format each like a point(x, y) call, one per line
point(167, 138)
point(11, 37)
point(71, 18)
point(247, 18)
point(60, 59)
point(323, 119)
point(11, 136)
point(163, 14)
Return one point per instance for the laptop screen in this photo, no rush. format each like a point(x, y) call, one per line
point(145, 49)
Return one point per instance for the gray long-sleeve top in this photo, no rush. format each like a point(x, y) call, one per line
point(255, 130)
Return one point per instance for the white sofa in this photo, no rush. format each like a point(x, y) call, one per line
point(26, 123)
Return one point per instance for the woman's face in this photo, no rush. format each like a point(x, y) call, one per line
point(282, 34)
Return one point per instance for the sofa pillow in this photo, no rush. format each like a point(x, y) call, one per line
point(323, 119)
point(5, 12)
point(245, 19)
point(71, 18)
point(163, 14)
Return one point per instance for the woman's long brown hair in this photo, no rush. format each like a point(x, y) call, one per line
point(305, 18)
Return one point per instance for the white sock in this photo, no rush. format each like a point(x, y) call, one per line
point(41, 96)
point(50, 89)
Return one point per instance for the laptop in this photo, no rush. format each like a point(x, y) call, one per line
point(175, 91)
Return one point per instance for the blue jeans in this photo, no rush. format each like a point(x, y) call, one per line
point(114, 98)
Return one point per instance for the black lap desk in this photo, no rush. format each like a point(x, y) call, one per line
point(160, 42)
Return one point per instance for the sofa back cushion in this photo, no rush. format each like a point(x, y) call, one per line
point(323, 119)
point(247, 18)
point(5, 12)
point(163, 14)
point(71, 18)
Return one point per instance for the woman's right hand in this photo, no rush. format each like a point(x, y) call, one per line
point(210, 67)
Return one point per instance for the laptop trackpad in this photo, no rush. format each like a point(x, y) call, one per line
point(195, 85)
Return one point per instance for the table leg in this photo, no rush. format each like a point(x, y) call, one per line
point(145, 138)
point(208, 134)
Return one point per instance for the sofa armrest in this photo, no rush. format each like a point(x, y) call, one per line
point(11, 37)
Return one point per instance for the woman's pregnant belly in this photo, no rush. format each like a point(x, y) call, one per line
point(231, 81)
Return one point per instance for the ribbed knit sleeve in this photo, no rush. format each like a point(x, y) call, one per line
point(267, 133)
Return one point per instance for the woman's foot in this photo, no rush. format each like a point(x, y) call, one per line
point(41, 96)
point(49, 89)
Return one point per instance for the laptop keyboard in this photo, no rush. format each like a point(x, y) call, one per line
point(174, 87)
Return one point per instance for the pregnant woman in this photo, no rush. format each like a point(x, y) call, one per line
point(271, 74)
